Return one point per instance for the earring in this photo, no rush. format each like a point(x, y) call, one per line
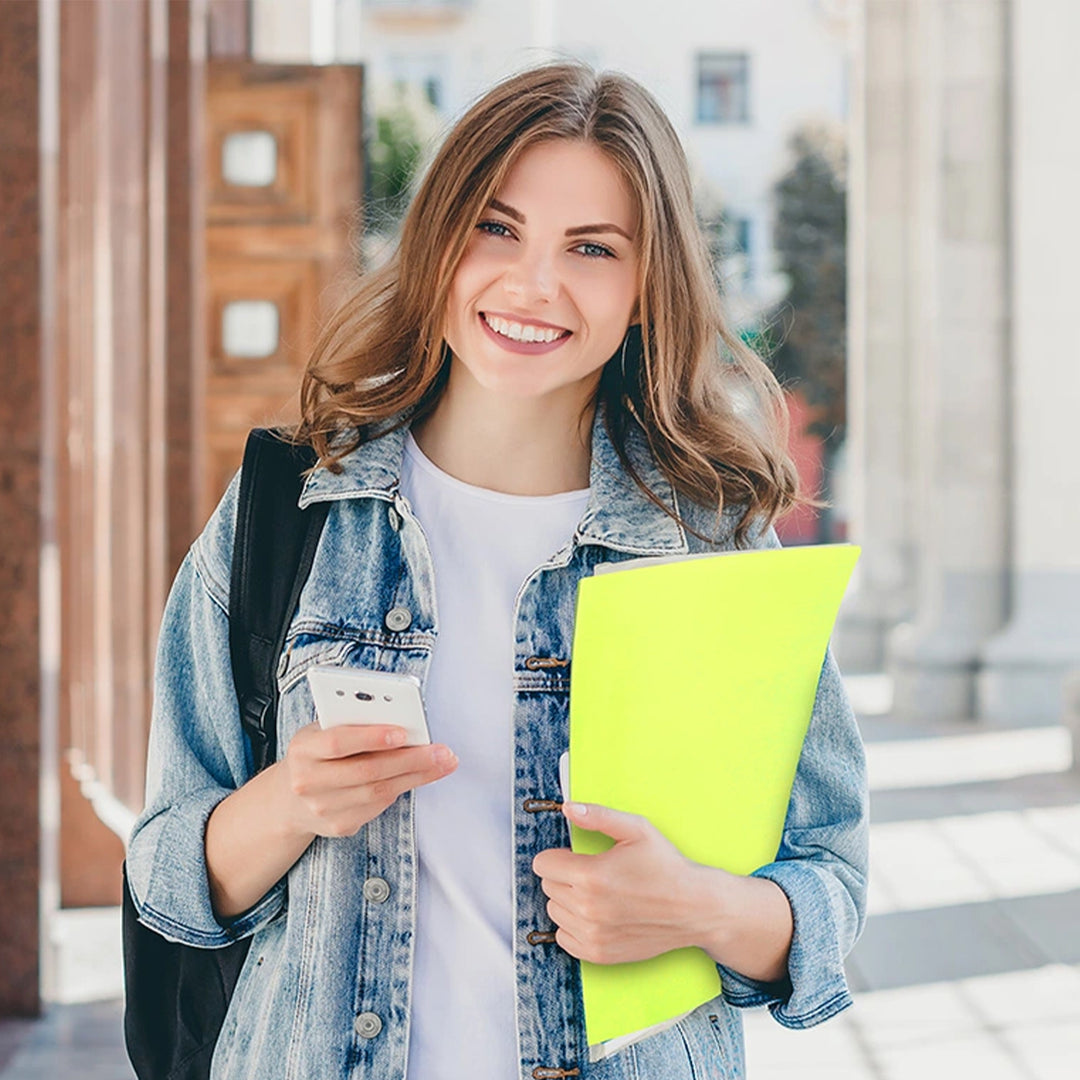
point(632, 331)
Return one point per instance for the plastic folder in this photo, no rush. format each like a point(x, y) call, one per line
point(691, 689)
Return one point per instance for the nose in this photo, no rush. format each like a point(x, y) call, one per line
point(531, 278)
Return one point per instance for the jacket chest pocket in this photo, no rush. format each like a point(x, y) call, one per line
point(296, 708)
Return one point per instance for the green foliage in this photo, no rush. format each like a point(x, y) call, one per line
point(400, 128)
point(810, 240)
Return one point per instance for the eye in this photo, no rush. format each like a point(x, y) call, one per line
point(596, 251)
point(491, 228)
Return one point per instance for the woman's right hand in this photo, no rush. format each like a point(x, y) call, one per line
point(340, 778)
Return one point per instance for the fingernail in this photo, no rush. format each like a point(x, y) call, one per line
point(578, 808)
point(395, 738)
point(443, 755)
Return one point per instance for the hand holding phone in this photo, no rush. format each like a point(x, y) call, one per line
point(370, 746)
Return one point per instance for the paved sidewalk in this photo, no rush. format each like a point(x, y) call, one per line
point(969, 965)
point(970, 961)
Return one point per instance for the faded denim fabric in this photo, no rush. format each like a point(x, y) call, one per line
point(325, 990)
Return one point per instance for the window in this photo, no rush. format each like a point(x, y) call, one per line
point(249, 158)
point(428, 72)
point(723, 88)
point(740, 228)
point(249, 329)
point(736, 262)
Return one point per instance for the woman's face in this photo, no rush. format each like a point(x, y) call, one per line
point(548, 283)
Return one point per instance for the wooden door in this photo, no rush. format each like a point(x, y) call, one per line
point(283, 191)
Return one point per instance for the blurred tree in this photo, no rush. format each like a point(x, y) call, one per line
point(810, 241)
point(393, 153)
point(403, 126)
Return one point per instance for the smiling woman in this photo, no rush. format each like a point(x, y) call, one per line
point(539, 382)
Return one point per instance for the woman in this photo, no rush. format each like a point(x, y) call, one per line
point(532, 386)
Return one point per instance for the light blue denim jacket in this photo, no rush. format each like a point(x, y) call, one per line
point(325, 990)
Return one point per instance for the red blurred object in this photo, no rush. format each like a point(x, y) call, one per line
point(801, 525)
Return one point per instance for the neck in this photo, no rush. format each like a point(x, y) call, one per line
point(530, 446)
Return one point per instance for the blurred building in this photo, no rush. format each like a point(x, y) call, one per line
point(964, 364)
point(175, 220)
point(735, 78)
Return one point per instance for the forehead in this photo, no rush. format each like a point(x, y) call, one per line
point(567, 178)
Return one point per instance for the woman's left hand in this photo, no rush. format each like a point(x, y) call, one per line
point(637, 900)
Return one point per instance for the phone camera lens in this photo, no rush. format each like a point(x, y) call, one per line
point(361, 696)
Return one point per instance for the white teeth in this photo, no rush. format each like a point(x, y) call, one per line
point(517, 332)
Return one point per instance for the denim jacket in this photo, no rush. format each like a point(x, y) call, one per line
point(325, 990)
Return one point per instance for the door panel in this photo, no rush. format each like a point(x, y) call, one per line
point(283, 190)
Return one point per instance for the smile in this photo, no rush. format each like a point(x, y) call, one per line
point(522, 331)
point(522, 338)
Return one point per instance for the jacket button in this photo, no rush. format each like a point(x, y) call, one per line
point(399, 618)
point(376, 890)
point(394, 518)
point(367, 1025)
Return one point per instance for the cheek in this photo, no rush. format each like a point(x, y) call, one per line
point(472, 275)
point(611, 296)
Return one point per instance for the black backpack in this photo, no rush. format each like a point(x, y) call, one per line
point(176, 996)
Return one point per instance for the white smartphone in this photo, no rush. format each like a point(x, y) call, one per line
point(359, 696)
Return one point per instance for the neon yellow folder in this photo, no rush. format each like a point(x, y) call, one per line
point(691, 689)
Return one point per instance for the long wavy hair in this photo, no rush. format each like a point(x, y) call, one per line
point(713, 414)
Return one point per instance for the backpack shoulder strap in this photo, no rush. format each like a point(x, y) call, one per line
point(272, 555)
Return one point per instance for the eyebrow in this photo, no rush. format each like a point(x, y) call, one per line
point(577, 230)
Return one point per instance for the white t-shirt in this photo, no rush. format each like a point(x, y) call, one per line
point(483, 545)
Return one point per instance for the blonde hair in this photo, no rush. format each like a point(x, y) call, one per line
point(712, 412)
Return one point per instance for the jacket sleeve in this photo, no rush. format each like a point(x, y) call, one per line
point(821, 864)
point(198, 753)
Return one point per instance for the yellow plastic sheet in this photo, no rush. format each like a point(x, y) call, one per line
point(691, 689)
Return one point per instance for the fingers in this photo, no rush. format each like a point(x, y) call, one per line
point(380, 765)
point(378, 793)
point(338, 796)
point(348, 739)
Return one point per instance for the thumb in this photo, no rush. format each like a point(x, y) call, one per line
point(618, 824)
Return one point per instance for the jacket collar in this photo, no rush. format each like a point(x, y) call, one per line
point(618, 514)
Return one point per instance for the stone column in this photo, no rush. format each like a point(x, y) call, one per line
point(879, 340)
point(1025, 664)
point(960, 353)
point(21, 472)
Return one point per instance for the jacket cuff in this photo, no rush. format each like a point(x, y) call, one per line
point(176, 893)
point(815, 987)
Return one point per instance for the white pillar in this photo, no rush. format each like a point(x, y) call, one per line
point(960, 350)
point(879, 341)
point(1025, 665)
point(281, 33)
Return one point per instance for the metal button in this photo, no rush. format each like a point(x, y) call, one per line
point(394, 518)
point(399, 618)
point(367, 1025)
point(376, 889)
point(538, 663)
